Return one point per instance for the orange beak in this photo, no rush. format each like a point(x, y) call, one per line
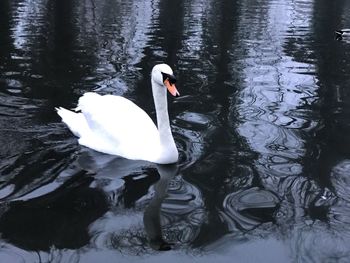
point(171, 88)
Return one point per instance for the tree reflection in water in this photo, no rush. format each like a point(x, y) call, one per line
point(262, 130)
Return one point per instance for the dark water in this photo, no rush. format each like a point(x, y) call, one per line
point(262, 126)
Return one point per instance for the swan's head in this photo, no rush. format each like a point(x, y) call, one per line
point(163, 75)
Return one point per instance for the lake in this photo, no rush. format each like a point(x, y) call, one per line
point(262, 127)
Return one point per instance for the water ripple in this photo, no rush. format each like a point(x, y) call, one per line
point(332, 245)
point(249, 208)
point(191, 132)
point(182, 212)
point(341, 180)
point(261, 128)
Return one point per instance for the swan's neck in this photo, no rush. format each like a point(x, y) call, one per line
point(165, 135)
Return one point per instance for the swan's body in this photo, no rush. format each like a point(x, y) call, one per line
point(115, 125)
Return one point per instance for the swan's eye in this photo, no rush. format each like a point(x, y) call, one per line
point(171, 78)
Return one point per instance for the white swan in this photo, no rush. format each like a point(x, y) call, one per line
point(115, 125)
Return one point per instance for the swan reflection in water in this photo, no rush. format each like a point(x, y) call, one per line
point(152, 206)
point(151, 216)
point(102, 201)
point(122, 169)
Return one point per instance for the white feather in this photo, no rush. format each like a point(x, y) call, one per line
point(115, 125)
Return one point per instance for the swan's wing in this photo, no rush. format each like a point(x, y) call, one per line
point(118, 125)
point(75, 121)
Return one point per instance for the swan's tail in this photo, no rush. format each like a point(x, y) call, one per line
point(75, 121)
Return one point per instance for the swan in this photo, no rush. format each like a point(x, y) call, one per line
point(115, 125)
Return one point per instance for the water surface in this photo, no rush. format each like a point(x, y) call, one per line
point(262, 128)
